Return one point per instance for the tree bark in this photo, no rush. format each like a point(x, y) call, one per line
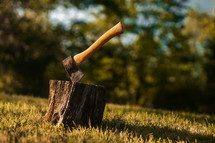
point(74, 103)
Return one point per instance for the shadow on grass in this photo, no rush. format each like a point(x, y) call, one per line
point(200, 118)
point(157, 132)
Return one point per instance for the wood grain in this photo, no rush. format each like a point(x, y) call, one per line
point(114, 31)
point(73, 103)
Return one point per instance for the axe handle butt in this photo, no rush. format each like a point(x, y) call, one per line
point(114, 31)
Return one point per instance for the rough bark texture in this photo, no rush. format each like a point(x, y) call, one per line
point(74, 103)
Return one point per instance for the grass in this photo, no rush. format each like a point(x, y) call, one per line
point(20, 121)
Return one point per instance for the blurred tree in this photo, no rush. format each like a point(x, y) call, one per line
point(156, 62)
point(28, 46)
point(166, 68)
point(200, 27)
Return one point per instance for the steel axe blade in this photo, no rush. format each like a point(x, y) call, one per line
point(72, 69)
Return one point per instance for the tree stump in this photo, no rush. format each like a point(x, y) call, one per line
point(74, 103)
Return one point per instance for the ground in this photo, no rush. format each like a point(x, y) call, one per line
point(21, 121)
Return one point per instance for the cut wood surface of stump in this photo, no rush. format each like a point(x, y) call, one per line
point(73, 103)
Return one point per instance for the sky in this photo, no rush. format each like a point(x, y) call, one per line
point(203, 5)
point(66, 16)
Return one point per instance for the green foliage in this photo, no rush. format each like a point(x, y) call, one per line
point(21, 121)
point(162, 67)
point(136, 72)
point(201, 31)
point(28, 47)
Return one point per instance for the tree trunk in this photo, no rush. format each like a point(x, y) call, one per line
point(74, 103)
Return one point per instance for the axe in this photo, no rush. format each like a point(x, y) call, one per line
point(71, 63)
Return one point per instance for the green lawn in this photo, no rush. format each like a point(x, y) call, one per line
point(20, 121)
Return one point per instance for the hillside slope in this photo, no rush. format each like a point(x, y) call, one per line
point(20, 121)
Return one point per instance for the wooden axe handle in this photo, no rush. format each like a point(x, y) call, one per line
point(114, 31)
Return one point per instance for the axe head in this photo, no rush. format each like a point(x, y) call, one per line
point(72, 69)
